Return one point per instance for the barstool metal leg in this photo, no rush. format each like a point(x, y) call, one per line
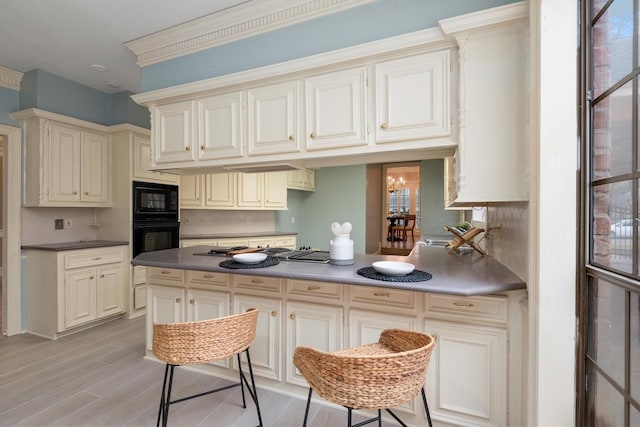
point(254, 392)
point(165, 400)
point(426, 407)
point(306, 411)
point(244, 402)
point(164, 387)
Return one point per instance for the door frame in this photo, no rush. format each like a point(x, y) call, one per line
point(11, 226)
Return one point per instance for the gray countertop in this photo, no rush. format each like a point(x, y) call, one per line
point(235, 235)
point(463, 275)
point(69, 246)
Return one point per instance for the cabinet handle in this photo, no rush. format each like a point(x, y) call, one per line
point(208, 276)
point(187, 148)
point(165, 272)
point(274, 313)
point(178, 299)
point(462, 304)
point(313, 135)
point(292, 316)
point(256, 281)
point(202, 147)
point(98, 258)
point(313, 288)
point(382, 294)
point(292, 138)
point(192, 301)
point(383, 126)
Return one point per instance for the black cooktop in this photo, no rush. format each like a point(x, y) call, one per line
point(283, 254)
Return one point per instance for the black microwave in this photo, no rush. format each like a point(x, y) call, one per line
point(155, 202)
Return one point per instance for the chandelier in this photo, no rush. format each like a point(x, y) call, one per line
point(394, 185)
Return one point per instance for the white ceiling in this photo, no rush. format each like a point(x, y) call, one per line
point(66, 37)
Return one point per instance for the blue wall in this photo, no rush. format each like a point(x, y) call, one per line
point(46, 91)
point(373, 21)
point(434, 216)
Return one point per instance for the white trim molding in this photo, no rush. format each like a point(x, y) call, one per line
point(245, 20)
point(10, 78)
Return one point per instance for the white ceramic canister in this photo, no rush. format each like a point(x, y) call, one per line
point(341, 250)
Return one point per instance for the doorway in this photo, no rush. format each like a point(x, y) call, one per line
point(401, 197)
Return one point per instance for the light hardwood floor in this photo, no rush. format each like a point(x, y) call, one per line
point(98, 377)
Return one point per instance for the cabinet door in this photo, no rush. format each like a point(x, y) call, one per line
point(468, 373)
point(204, 304)
point(265, 349)
point(165, 304)
point(220, 126)
point(173, 133)
point(275, 190)
point(311, 325)
point(191, 191)
point(80, 296)
point(95, 174)
point(64, 164)
point(110, 290)
point(220, 190)
point(142, 160)
point(301, 180)
point(250, 190)
point(336, 109)
point(273, 119)
point(413, 97)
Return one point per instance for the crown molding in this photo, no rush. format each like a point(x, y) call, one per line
point(484, 18)
point(10, 78)
point(245, 20)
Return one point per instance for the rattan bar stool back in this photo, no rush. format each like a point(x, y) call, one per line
point(374, 376)
point(205, 341)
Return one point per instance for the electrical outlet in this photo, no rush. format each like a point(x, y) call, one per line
point(58, 224)
point(68, 223)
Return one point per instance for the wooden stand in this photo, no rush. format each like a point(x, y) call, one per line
point(461, 239)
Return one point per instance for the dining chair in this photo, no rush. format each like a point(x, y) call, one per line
point(408, 225)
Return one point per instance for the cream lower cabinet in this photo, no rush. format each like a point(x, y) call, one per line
point(475, 361)
point(283, 241)
point(89, 286)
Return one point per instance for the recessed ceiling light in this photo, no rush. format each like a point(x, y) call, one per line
point(98, 67)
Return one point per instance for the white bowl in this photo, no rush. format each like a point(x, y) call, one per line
point(393, 268)
point(250, 258)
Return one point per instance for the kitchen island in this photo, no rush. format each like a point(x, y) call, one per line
point(473, 304)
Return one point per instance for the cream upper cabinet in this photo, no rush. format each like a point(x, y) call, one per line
point(491, 162)
point(303, 179)
point(250, 191)
point(412, 97)
point(173, 133)
point(273, 119)
point(220, 126)
point(142, 159)
point(67, 161)
point(336, 109)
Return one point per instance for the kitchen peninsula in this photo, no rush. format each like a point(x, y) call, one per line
point(472, 303)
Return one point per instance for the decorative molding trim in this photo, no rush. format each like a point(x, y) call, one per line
point(245, 20)
point(10, 78)
point(484, 18)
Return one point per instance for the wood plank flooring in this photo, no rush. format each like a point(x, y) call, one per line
point(98, 377)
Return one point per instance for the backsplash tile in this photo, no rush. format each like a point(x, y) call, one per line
point(509, 243)
point(200, 221)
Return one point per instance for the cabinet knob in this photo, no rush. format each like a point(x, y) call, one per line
point(292, 138)
point(86, 193)
point(292, 316)
point(202, 147)
point(178, 299)
point(74, 193)
point(383, 126)
point(187, 148)
point(192, 301)
point(313, 135)
point(102, 276)
point(90, 277)
point(274, 313)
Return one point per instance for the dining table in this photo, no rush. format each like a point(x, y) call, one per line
point(393, 219)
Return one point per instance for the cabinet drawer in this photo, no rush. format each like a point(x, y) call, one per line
point(92, 258)
point(208, 278)
point(261, 242)
point(258, 283)
point(156, 273)
point(487, 308)
point(308, 288)
point(285, 242)
point(197, 242)
point(382, 297)
point(139, 274)
point(233, 242)
point(139, 297)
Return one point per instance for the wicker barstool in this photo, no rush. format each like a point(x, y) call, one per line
point(205, 341)
point(374, 376)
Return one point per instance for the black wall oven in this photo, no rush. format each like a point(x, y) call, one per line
point(155, 217)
